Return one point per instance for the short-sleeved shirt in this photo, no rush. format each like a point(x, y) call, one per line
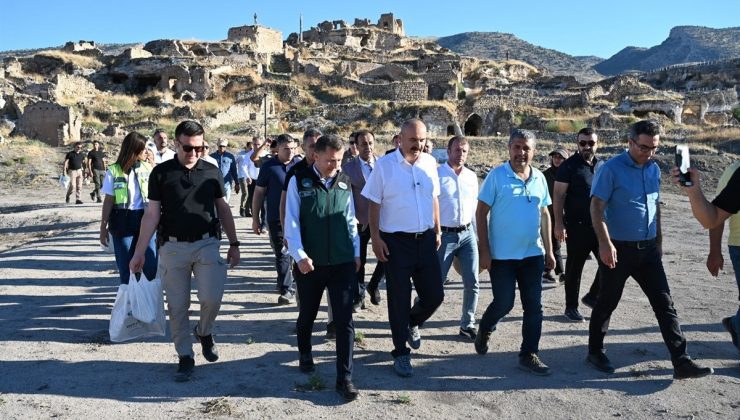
point(404, 191)
point(187, 196)
point(516, 207)
point(272, 178)
point(632, 196)
point(578, 174)
point(458, 196)
point(729, 198)
point(136, 202)
point(76, 159)
point(96, 159)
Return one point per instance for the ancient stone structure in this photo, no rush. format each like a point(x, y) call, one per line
point(387, 34)
point(260, 39)
point(49, 122)
point(83, 48)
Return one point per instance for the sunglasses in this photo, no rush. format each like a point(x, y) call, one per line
point(585, 143)
point(188, 149)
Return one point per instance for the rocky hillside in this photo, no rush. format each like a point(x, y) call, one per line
point(496, 45)
point(685, 44)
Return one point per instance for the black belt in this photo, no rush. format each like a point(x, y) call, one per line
point(194, 238)
point(648, 243)
point(455, 229)
point(411, 235)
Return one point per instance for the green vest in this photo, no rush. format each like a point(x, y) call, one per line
point(324, 228)
point(121, 194)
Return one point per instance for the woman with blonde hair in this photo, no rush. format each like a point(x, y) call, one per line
point(126, 186)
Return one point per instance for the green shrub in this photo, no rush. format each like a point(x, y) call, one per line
point(736, 113)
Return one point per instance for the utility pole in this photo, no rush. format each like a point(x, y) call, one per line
point(300, 30)
point(265, 115)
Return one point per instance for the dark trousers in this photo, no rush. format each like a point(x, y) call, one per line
point(339, 280)
point(378, 273)
point(646, 267)
point(411, 259)
point(248, 208)
point(581, 241)
point(283, 261)
point(98, 177)
point(505, 274)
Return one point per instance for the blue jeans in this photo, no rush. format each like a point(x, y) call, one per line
point(505, 274)
point(464, 246)
point(735, 258)
point(124, 247)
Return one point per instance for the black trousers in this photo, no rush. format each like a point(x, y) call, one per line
point(646, 267)
point(339, 280)
point(411, 259)
point(378, 273)
point(283, 261)
point(581, 241)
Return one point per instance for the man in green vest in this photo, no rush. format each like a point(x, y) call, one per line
point(321, 231)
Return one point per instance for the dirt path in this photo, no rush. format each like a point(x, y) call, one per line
point(57, 290)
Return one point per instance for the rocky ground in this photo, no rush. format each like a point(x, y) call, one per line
point(57, 289)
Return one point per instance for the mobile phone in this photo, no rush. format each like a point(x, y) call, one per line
point(683, 163)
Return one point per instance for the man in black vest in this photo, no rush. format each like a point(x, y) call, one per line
point(321, 231)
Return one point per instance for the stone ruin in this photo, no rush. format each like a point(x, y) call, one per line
point(50, 122)
point(262, 39)
point(388, 33)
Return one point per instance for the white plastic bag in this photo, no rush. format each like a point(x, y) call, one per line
point(124, 327)
point(64, 181)
point(146, 298)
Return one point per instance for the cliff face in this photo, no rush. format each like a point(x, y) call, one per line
point(685, 44)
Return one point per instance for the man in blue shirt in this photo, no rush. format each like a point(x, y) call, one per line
point(512, 214)
point(625, 211)
point(227, 165)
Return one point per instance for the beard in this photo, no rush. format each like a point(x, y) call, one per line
point(587, 155)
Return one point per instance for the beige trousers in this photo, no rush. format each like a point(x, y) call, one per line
point(177, 260)
point(75, 183)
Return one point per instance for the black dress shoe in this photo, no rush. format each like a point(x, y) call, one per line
point(374, 295)
point(331, 331)
point(305, 363)
point(347, 390)
point(481, 342)
point(600, 362)
point(210, 352)
point(185, 369)
point(78, 202)
point(727, 323)
point(688, 369)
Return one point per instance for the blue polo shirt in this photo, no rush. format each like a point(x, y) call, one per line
point(514, 219)
point(632, 195)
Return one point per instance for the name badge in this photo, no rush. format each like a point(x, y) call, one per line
point(342, 185)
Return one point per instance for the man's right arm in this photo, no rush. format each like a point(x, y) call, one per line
point(257, 199)
point(559, 192)
point(607, 252)
point(481, 222)
point(379, 246)
point(149, 224)
point(715, 261)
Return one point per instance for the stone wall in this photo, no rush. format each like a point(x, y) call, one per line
point(260, 39)
point(51, 123)
point(72, 86)
point(394, 91)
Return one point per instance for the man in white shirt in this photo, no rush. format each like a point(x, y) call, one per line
point(404, 227)
point(162, 152)
point(458, 198)
point(242, 169)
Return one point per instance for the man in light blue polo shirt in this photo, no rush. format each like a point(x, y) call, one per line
point(512, 214)
point(625, 212)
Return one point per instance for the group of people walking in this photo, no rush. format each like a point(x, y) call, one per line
point(322, 209)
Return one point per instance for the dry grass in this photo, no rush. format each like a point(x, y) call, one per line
point(715, 135)
point(211, 106)
point(76, 59)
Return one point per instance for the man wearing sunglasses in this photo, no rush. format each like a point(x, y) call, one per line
point(572, 216)
point(187, 208)
point(625, 211)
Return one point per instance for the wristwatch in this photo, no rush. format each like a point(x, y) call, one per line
point(235, 243)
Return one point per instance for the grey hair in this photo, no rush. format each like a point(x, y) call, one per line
point(518, 133)
point(413, 121)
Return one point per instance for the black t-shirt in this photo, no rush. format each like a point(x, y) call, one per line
point(96, 159)
point(578, 174)
point(729, 198)
point(301, 165)
point(187, 196)
point(75, 160)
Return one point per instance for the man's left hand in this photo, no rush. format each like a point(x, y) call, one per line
point(232, 256)
point(549, 261)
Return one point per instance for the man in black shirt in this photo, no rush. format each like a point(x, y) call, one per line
point(73, 162)
point(557, 157)
point(572, 196)
point(185, 193)
point(96, 169)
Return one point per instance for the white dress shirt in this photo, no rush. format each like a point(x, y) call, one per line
point(241, 164)
point(163, 156)
point(404, 191)
point(253, 171)
point(292, 228)
point(367, 168)
point(458, 196)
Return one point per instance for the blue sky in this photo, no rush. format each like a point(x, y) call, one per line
point(574, 27)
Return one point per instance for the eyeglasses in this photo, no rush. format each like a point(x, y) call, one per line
point(526, 193)
point(644, 148)
point(188, 149)
point(585, 143)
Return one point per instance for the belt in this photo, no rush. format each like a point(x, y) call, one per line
point(455, 229)
point(648, 243)
point(411, 235)
point(189, 238)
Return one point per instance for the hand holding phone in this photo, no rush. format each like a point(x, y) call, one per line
point(683, 163)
